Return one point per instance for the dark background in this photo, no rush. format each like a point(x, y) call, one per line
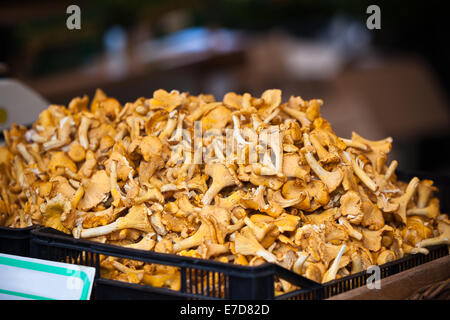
point(389, 82)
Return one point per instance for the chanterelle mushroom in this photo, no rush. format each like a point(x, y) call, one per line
point(248, 245)
point(96, 191)
point(203, 233)
point(403, 200)
point(443, 238)
point(221, 178)
point(246, 180)
point(137, 218)
point(330, 274)
point(331, 179)
point(431, 211)
point(424, 192)
point(351, 206)
point(372, 239)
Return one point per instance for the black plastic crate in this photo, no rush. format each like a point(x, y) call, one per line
point(229, 281)
point(200, 279)
point(234, 282)
point(359, 279)
point(15, 241)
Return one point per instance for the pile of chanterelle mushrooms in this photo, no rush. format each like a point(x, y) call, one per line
point(317, 204)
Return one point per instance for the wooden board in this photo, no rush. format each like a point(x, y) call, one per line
point(402, 285)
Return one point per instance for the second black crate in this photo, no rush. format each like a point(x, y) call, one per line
point(15, 241)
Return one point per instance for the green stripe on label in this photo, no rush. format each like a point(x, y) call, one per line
point(50, 269)
point(24, 295)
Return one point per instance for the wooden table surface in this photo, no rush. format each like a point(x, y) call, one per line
point(402, 285)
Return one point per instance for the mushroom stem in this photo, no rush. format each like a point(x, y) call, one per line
point(260, 233)
point(35, 137)
point(363, 176)
point(157, 224)
point(196, 239)
point(236, 226)
point(63, 135)
point(212, 191)
point(276, 145)
point(82, 132)
point(297, 268)
point(419, 250)
point(269, 257)
point(135, 124)
point(271, 116)
point(25, 154)
point(284, 203)
point(179, 130)
point(99, 231)
point(324, 155)
point(214, 249)
point(221, 178)
point(236, 133)
point(122, 130)
point(357, 263)
point(350, 230)
point(170, 127)
point(115, 190)
point(354, 144)
point(136, 275)
point(300, 116)
point(443, 238)
point(20, 175)
point(424, 191)
point(331, 179)
point(250, 246)
point(403, 200)
point(431, 211)
point(152, 194)
point(262, 170)
point(135, 219)
point(390, 170)
point(331, 273)
point(77, 197)
point(147, 243)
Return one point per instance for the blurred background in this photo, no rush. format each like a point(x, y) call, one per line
point(393, 81)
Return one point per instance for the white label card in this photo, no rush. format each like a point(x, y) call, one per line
point(36, 279)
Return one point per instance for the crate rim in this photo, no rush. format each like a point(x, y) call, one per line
point(32, 227)
point(117, 250)
point(251, 272)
